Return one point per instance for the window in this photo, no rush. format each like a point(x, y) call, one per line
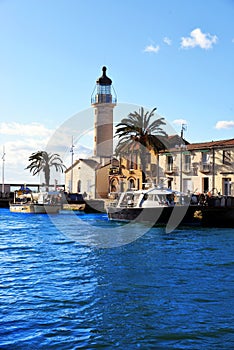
point(205, 161)
point(148, 159)
point(114, 185)
point(227, 186)
point(187, 162)
point(132, 161)
point(169, 165)
point(131, 184)
point(227, 157)
point(79, 186)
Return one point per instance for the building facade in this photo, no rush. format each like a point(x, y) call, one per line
point(202, 167)
point(83, 175)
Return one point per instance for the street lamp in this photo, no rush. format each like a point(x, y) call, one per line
point(181, 148)
point(3, 169)
point(72, 155)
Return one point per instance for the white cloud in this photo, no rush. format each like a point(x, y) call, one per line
point(167, 41)
point(180, 121)
point(31, 130)
point(224, 124)
point(16, 158)
point(197, 38)
point(151, 48)
point(20, 141)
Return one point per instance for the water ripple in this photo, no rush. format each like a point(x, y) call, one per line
point(162, 291)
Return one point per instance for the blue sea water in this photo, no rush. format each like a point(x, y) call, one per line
point(58, 290)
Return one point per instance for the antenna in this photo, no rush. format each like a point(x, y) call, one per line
point(183, 128)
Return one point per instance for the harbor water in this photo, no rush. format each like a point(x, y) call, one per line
point(59, 289)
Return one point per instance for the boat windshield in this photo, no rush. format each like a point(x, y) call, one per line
point(130, 199)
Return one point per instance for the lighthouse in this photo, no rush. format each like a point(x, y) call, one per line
point(103, 101)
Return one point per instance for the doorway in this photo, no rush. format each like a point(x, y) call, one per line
point(205, 184)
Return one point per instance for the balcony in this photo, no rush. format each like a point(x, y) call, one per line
point(186, 168)
point(114, 171)
point(205, 168)
point(170, 169)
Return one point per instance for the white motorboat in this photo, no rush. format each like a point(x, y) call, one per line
point(156, 205)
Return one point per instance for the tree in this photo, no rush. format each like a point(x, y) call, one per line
point(138, 133)
point(42, 161)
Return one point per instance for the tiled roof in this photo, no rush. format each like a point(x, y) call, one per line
point(90, 162)
point(211, 144)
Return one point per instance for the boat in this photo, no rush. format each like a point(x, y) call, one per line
point(155, 205)
point(22, 203)
point(160, 206)
point(36, 203)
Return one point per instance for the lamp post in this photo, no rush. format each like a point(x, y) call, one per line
point(72, 156)
point(181, 147)
point(3, 169)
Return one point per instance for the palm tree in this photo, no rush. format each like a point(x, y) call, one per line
point(42, 161)
point(137, 132)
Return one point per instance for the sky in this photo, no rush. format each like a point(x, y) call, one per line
point(176, 55)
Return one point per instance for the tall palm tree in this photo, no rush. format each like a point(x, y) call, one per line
point(42, 161)
point(137, 132)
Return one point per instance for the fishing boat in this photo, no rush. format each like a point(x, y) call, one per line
point(36, 203)
point(22, 203)
point(157, 206)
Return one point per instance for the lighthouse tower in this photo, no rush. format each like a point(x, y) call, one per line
point(103, 101)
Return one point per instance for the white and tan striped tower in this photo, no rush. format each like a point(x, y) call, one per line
point(103, 100)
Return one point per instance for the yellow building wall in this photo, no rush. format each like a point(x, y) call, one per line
point(214, 176)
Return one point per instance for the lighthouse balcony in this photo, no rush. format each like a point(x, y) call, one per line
point(103, 99)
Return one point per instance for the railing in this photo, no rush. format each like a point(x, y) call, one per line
point(186, 167)
point(204, 167)
point(99, 98)
point(169, 168)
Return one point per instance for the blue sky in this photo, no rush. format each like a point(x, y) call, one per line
point(174, 55)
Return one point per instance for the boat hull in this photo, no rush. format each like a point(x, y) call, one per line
point(46, 209)
point(35, 208)
point(158, 215)
point(195, 215)
point(21, 208)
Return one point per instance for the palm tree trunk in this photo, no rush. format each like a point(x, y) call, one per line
point(143, 168)
point(47, 178)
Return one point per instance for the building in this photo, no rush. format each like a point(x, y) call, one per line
point(196, 167)
point(201, 167)
point(83, 177)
